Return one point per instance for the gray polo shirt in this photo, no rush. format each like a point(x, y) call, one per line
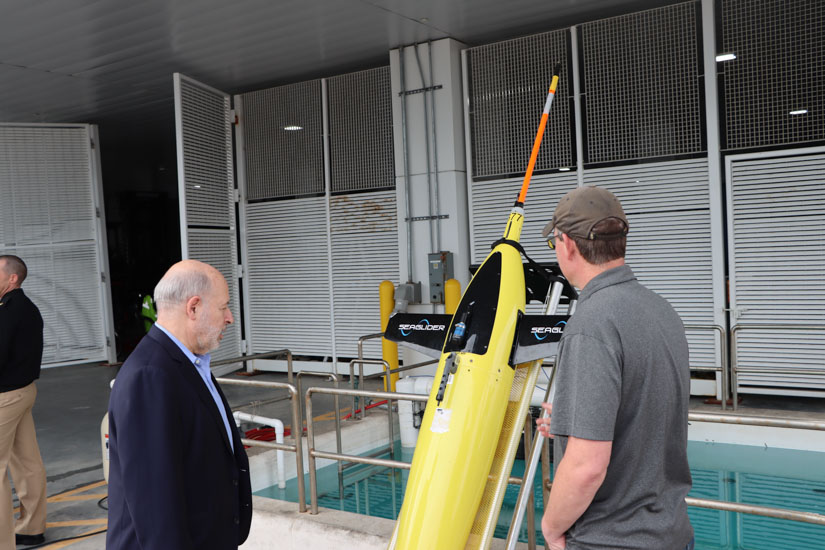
point(624, 376)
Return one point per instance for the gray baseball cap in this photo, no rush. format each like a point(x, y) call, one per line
point(580, 210)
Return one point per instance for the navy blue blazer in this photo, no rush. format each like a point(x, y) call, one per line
point(174, 481)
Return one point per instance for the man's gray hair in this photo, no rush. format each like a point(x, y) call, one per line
point(177, 286)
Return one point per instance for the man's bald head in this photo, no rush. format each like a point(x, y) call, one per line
point(184, 280)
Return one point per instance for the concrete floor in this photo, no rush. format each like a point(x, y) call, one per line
point(71, 403)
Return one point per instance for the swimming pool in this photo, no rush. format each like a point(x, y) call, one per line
point(763, 476)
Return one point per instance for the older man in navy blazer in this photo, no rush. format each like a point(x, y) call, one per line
point(178, 474)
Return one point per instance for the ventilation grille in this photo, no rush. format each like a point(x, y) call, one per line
point(283, 132)
point(217, 248)
point(207, 156)
point(360, 122)
point(641, 85)
point(364, 253)
point(508, 88)
point(47, 217)
point(669, 246)
point(779, 68)
point(288, 270)
point(777, 259)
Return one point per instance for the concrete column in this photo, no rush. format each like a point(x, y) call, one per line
point(428, 131)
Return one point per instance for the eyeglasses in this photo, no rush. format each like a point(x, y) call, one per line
point(551, 240)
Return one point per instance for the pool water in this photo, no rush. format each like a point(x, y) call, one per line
point(777, 478)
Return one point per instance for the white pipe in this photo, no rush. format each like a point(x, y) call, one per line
point(279, 437)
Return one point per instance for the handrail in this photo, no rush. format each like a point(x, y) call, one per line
point(361, 363)
point(265, 355)
point(734, 331)
point(334, 378)
point(400, 369)
point(780, 513)
point(724, 368)
point(296, 448)
point(312, 453)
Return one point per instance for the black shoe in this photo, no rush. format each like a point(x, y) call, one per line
point(29, 540)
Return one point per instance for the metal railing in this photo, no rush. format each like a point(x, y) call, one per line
point(312, 453)
point(296, 448)
point(724, 367)
point(266, 355)
point(735, 369)
point(779, 513)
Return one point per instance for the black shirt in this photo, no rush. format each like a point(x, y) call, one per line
point(21, 341)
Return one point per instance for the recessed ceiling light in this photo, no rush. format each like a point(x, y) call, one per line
point(726, 57)
point(196, 186)
point(799, 112)
point(564, 169)
point(293, 128)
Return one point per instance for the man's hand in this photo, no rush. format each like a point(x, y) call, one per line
point(543, 424)
point(554, 542)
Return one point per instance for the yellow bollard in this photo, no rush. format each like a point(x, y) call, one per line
point(452, 296)
point(389, 350)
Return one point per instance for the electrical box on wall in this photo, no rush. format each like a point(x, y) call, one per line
point(441, 270)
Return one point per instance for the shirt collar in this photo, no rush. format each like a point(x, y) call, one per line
point(200, 361)
point(614, 276)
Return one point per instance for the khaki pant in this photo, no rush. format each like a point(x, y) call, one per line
point(20, 454)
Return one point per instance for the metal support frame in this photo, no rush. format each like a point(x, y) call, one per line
point(735, 369)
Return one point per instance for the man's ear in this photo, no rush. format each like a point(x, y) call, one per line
point(191, 305)
point(13, 278)
point(569, 250)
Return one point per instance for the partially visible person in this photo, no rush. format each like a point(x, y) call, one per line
point(21, 350)
point(178, 473)
point(620, 410)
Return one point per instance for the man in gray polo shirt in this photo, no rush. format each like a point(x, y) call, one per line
point(619, 416)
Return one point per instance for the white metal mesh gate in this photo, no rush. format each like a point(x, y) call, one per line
point(207, 190)
point(50, 217)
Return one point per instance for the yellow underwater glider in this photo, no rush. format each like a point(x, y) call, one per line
point(481, 348)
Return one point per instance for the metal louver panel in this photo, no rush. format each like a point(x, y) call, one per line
point(360, 124)
point(206, 186)
point(669, 246)
point(777, 258)
point(364, 232)
point(288, 276)
point(781, 42)
point(508, 87)
point(641, 86)
point(490, 202)
point(48, 218)
point(283, 133)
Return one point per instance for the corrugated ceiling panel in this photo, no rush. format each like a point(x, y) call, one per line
point(364, 252)
point(669, 245)
point(217, 248)
point(288, 270)
point(777, 258)
point(47, 217)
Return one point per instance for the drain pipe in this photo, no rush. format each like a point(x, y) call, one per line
point(427, 147)
point(279, 437)
point(435, 151)
point(406, 161)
